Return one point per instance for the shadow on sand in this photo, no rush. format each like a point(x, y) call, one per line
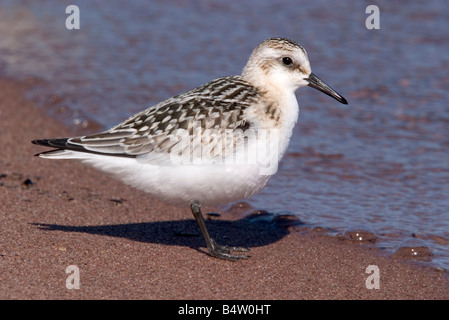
point(247, 232)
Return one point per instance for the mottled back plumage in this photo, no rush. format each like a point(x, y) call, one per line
point(214, 107)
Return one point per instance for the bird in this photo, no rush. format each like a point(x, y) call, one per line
point(214, 144)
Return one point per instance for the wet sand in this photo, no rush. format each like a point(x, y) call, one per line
point(130, 246)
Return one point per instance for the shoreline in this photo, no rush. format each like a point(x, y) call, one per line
point(127, 245)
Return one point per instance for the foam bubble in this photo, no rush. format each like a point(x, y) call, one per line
point(360, 234)
point(413, 249)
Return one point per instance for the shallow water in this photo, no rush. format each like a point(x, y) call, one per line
point(380, 165)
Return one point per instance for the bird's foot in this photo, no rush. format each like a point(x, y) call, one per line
point(224, 252)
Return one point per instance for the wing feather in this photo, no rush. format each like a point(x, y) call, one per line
point(156, 131)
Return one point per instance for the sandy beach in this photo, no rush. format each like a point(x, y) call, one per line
point(127, 245)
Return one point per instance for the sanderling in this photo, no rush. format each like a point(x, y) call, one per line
point(214, 144)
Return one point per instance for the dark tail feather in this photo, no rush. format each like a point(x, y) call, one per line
point(65, 144)
point(60, 143)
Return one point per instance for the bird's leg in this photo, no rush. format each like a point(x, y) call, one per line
point(216, 250)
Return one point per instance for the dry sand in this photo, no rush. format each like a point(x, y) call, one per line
point(130, 246)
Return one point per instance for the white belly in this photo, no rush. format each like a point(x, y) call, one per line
point(180, 184)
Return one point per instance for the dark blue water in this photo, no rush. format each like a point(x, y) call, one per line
point(380, 165)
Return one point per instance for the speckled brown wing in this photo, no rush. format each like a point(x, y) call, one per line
point(213, 108)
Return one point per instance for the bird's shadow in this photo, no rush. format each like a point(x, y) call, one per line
point(247, 232)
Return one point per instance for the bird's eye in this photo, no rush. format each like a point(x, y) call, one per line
point(287, 61)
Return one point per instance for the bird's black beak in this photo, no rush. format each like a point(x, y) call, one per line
point(316, 83)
